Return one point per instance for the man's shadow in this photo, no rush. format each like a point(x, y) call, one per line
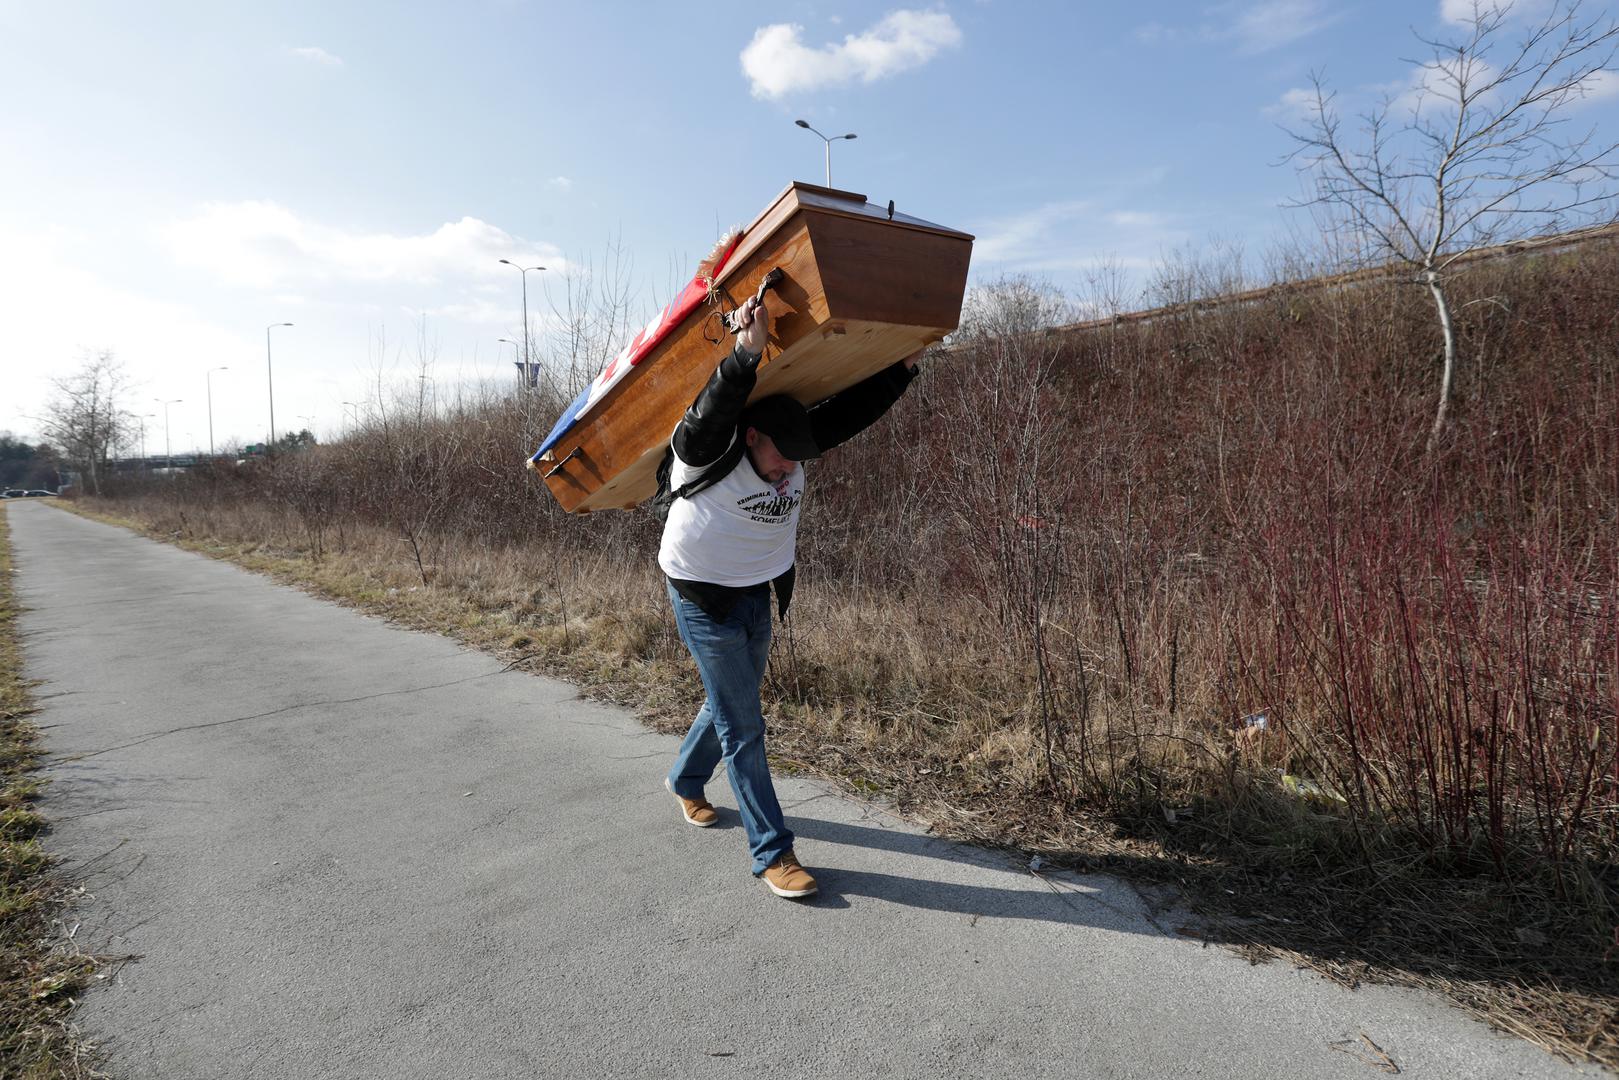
point(1099, 901)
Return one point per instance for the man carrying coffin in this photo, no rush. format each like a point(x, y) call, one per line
point(729, 537)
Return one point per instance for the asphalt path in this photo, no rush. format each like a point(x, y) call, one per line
point(343, 849)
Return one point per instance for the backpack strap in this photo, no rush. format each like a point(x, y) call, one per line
point(713, 472)
point(707, 476)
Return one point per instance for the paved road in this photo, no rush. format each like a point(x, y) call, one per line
point(342, 849)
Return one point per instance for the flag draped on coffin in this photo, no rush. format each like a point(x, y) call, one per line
point(641, 346)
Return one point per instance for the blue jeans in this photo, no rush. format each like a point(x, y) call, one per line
point(731, 658)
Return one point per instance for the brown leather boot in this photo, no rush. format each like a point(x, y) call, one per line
point(699, 812)
point(787, 878)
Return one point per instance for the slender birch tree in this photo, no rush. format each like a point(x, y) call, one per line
point(1482, 148)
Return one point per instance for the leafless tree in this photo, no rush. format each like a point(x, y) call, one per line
point(593, 319)
point(1477, 151)
point(84, 415)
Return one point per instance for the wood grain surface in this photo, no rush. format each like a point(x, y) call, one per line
point(859, 292)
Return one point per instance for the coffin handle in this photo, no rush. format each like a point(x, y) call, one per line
point(575, 452)
point(771, 280)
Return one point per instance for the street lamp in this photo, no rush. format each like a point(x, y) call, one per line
point(356, 414)
point(270, 372)
point(524, 271)
point(143, 418)
point(518, 364)
point(209, 379)
point(829, 141)
point(167, 452)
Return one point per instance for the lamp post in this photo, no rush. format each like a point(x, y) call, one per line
point(828, 141)
point(355, 405)
point(269, 370)
point(518, 363)
point(145, 417)
point(524, 271)
point(168, 454)
point(209, 379)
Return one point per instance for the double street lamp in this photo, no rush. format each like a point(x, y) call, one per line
point(270, 371)
point(524, 271)
point(209, 379)
point(829, 141)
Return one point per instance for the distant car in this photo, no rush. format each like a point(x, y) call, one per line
point(37, 492)
point(12, 493)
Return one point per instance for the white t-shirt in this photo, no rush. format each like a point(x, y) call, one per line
point(739, 532)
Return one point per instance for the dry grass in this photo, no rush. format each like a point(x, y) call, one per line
point(40, 972)
point(903, 699)
point(1041, 601)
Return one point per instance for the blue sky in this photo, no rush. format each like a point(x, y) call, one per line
point(175, 176)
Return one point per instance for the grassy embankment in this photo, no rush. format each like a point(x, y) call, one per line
point(38, 978)
point(1191, 601)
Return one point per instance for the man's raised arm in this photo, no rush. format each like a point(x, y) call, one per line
point(846, 414)
point(708, 427)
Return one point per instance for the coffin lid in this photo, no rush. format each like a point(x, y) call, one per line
point(799, 194)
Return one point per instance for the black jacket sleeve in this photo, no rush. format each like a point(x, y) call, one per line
point(844, 415)
point(705, 432)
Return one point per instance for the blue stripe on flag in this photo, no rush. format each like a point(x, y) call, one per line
point(564, 422)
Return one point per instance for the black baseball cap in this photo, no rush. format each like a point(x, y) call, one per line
point(787, 423)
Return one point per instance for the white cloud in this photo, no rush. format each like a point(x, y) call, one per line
point(1135, 219)
point(1255, 26)
point(1436, 85)
point(1269, 24)
point(265, 245)
point(1601, 85)
point(59, 306)
point(561, 183)
point(1463, 11)
point(317, 55)
point(1295, 104)
point(1071, 235)
point(171, 326)
point(1155, 33)
point(1012, 239)
point(777, 62)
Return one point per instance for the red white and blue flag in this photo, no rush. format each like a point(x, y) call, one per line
point(641, 346)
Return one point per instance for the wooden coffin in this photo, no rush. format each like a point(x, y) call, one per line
point(860, 290)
